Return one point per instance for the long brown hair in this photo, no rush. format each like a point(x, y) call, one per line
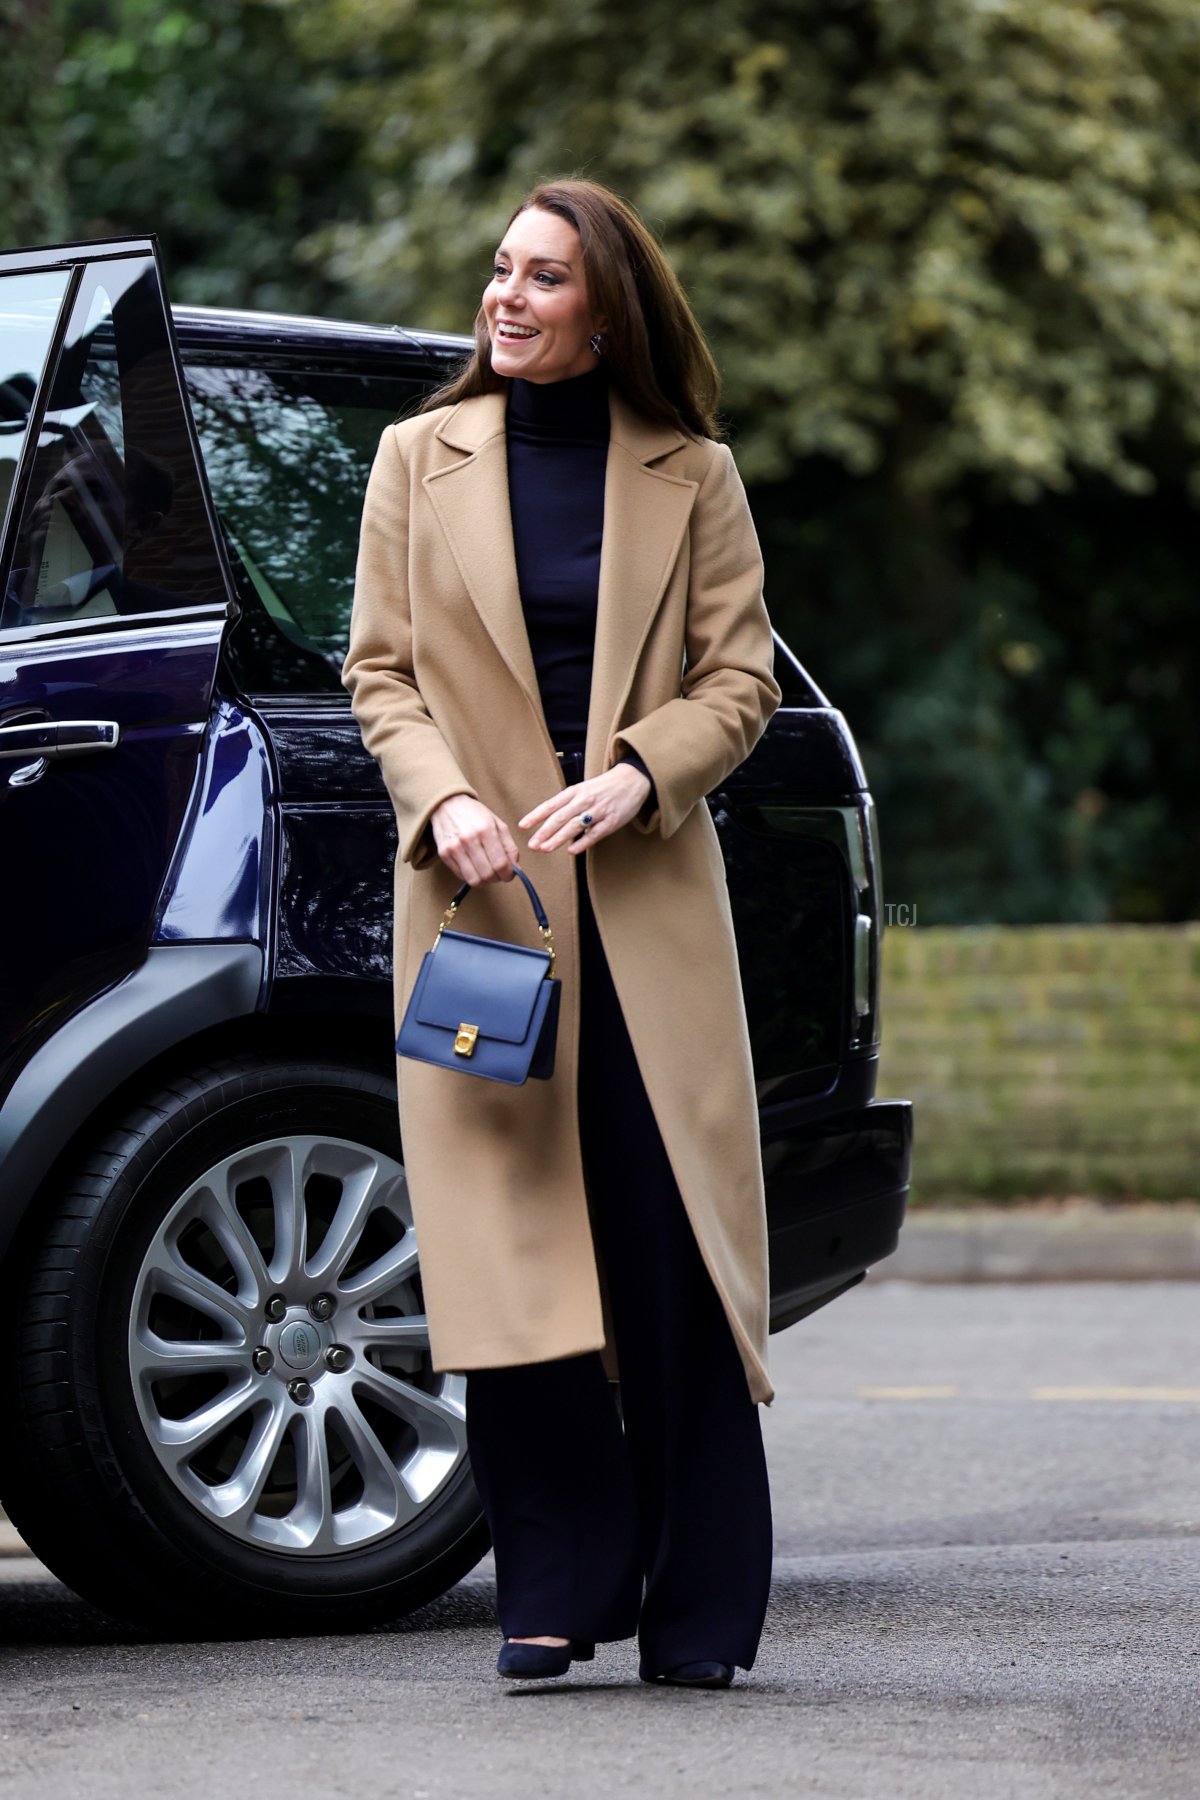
point(655, 350)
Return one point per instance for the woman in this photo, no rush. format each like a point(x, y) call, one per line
point(559, 630)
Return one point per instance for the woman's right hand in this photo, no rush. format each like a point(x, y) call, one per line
point(473, 840)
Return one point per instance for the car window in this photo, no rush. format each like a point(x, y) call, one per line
point(114, 519)
point(288, 452)
point(29, 306)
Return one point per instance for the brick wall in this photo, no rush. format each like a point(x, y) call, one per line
point(1046, 1059)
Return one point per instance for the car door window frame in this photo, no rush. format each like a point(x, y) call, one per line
point(83, 261)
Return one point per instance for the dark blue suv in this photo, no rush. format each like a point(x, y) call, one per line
point(219, 1410)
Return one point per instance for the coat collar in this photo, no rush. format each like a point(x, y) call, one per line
point(472, 422)
point(646, 512)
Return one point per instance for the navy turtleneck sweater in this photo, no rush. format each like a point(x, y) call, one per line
point(557, 434)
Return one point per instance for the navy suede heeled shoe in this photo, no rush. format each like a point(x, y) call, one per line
point(694, 1674)
point(536, 1662)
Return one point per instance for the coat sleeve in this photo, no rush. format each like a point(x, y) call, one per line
point(419, 769)
point(728, 690)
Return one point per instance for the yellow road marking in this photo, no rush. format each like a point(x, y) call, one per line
point(1118, 1393)
point(947, 1391)
point(907, 1393)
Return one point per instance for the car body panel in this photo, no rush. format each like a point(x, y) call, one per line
point(837, 1189)
point(222, 882)
point(177, 992)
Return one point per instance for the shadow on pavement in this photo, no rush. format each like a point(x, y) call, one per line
point(37, 1609)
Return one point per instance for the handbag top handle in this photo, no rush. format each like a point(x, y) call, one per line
point(538, 908)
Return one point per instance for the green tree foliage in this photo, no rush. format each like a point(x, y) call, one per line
point(1021, 685)
point(964, 236)
point(947, 253)
point(31, 195)
point(200, 120)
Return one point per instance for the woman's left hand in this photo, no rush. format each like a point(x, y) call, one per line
point(612, 799)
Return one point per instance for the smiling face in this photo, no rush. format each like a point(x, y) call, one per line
point(538, 286)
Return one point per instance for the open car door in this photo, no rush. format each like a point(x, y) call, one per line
point(114, 599)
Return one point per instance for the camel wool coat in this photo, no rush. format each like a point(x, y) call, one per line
point(443, 687)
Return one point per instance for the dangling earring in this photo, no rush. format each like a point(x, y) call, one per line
point(597, 343)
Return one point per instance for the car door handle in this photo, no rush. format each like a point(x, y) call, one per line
point(54, 737)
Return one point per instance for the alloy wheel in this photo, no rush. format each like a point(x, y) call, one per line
point(279, 1350)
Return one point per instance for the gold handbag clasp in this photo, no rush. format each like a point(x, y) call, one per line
point(464, 1043)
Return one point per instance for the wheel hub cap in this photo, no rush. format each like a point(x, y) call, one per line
point(302, 1344)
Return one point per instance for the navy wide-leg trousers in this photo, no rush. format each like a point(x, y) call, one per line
point(660, 1527)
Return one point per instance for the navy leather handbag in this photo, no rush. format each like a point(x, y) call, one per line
point(484, 1006)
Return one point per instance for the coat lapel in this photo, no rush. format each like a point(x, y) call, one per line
point(646, 511)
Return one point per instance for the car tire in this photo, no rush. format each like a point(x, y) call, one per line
point(368, 1509)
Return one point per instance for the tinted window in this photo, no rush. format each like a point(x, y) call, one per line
point(114, 519)
point(288, 454)
point(28, 309)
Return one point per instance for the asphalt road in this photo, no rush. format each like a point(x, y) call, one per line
point(988, 1518)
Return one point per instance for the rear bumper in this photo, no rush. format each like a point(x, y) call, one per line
point(837, 1189)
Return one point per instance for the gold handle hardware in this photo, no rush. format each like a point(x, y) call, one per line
point(448, 919)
